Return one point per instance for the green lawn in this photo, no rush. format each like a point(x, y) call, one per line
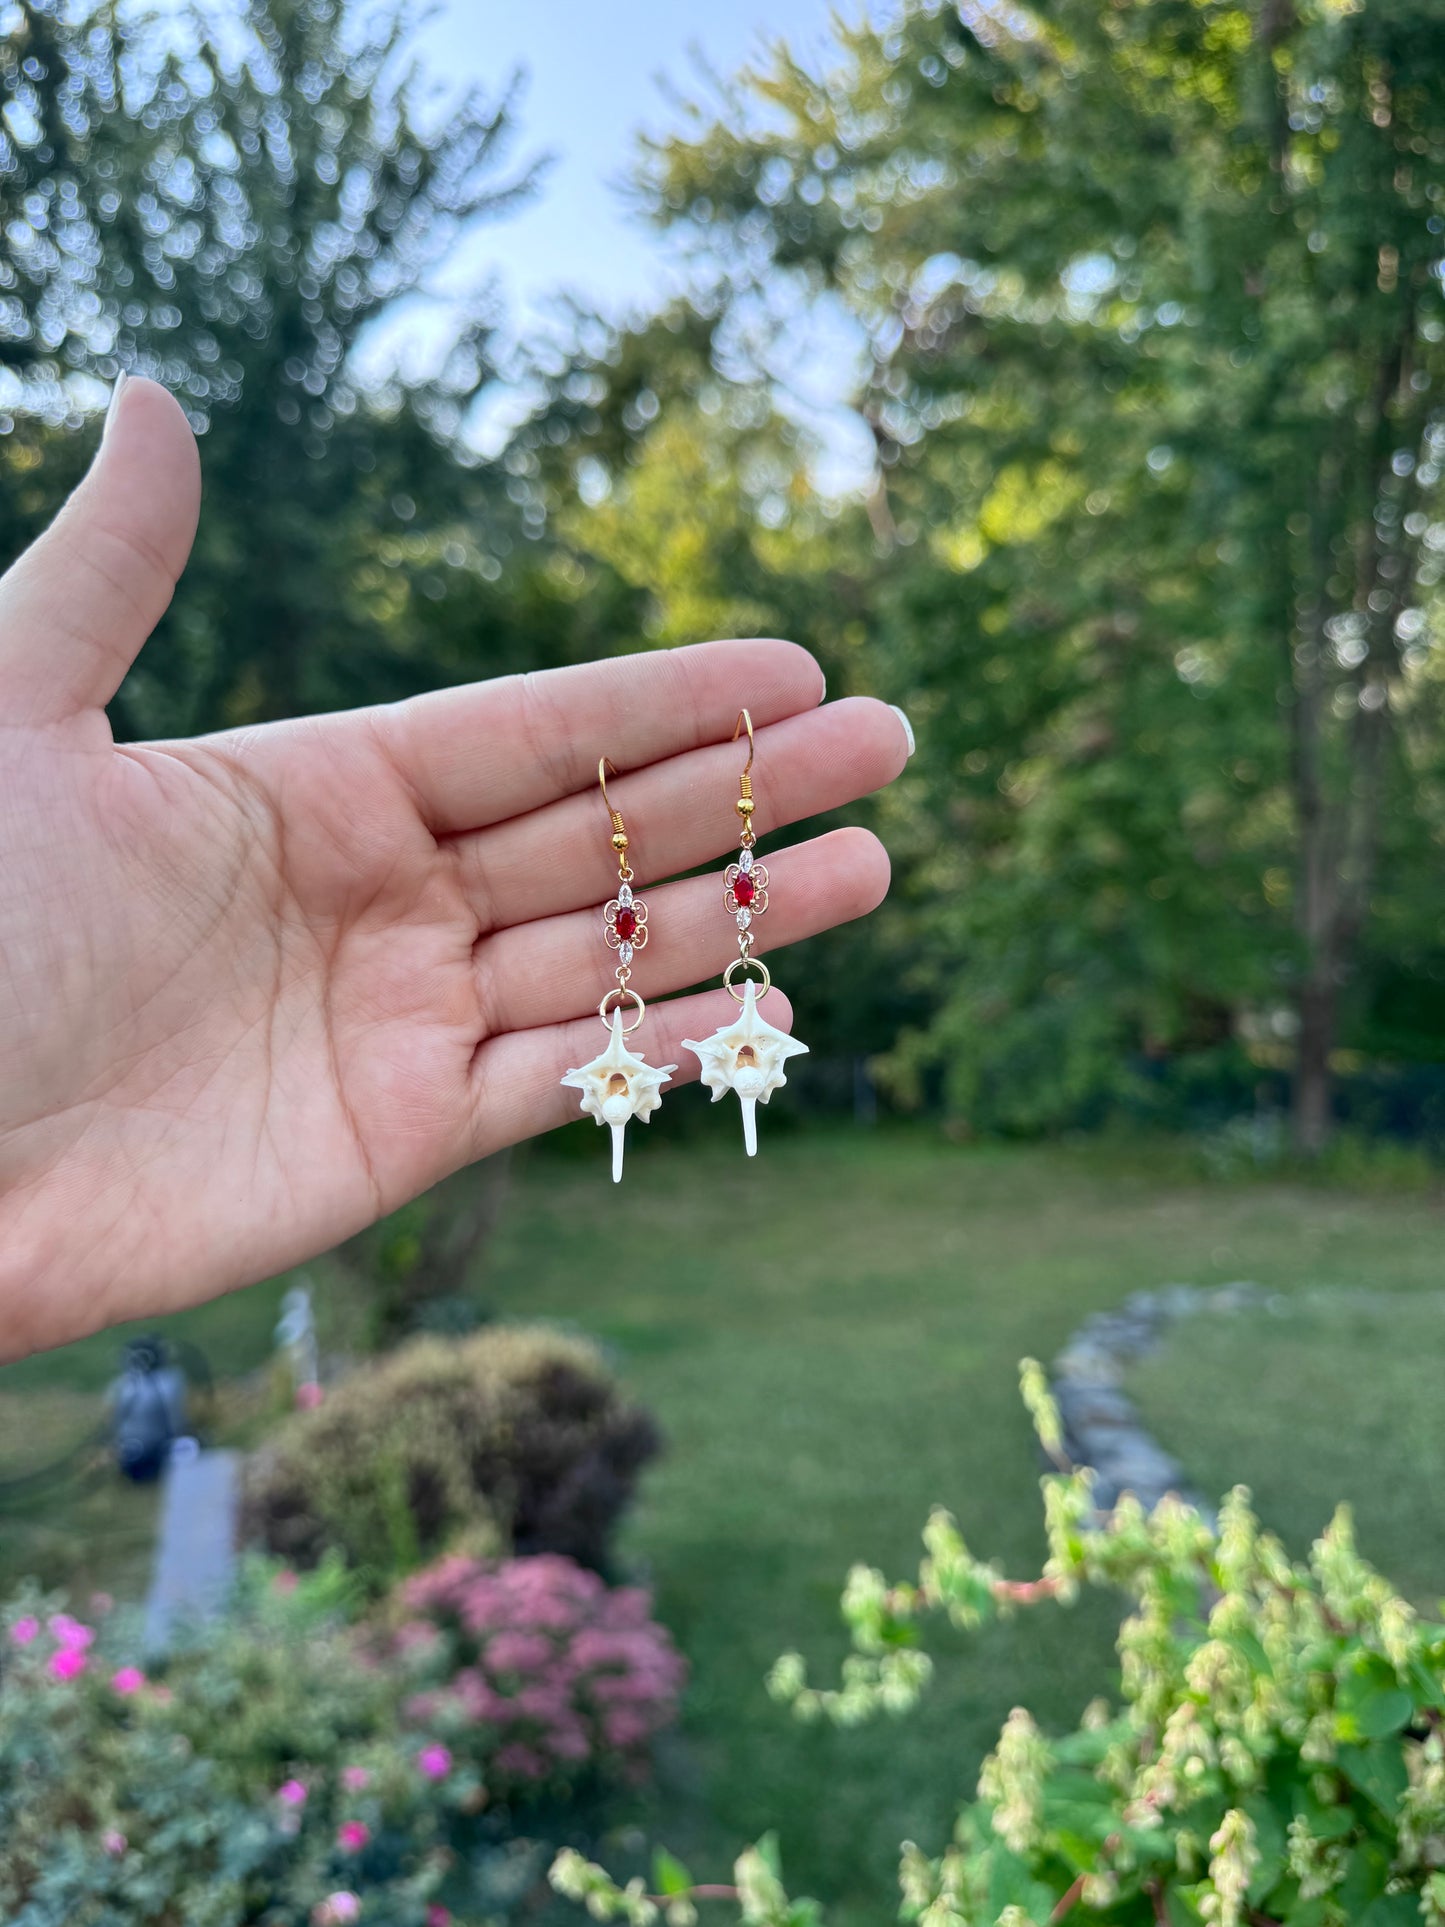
point(1329, 1402)
point(86, 1527)
point(829, 1336)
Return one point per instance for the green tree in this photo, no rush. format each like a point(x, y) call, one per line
point(689, 495)
point(1152, 296)
point(229, 203)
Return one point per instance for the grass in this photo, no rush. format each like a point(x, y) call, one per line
point(1327, 1403)
point(830, 1337)
point(67, 1519)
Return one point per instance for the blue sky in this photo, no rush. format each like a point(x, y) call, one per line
point(595, 76)
point(593, 70)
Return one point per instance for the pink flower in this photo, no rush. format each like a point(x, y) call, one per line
point(70, 1634)
point(285, 1581)
point(114, 1841)
point(309, 1396)
point(336, 1910)
point(352, 1835)
point(541, 1702)
point(67, 1663)
point(521, 1761)
point(292, 1794)
point(26, 1629)
point(435, 1762)
point(128, 1680)
point(518, 1652)
point(437, 1916)
point(624, 1726)
point(355, 1778)
point(568, 1741)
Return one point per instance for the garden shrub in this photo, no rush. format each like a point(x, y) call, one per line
point(265, 1775)
point(517, 1429)
point(1277, 1758)
point(536, 1672)
point(277, 1770)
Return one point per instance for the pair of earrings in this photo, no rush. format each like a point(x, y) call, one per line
point(746, 1056)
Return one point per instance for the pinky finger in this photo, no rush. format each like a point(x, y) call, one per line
point(517, 1077)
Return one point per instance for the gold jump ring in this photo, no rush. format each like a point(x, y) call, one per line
point(741, 963)
point(620, 993)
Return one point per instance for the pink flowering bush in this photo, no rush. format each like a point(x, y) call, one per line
point(292, 1767)
point(266, 1772)
point(535, 1671)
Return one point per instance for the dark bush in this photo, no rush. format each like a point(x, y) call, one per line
point(514, 1440)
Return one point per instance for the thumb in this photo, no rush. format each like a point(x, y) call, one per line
point(77, 606)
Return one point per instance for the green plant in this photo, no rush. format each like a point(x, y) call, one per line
point(415, 1265)
point(517, 1432)
point(542, 1675)
point(1278, 1758)
point(266, 1773)
point(1258, 1146)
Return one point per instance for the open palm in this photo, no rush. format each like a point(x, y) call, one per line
point(258, 988)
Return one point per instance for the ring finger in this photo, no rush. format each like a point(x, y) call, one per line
point(548, 972)
point(678, 812)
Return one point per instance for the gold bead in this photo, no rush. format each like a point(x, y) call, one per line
point(619, 839)
point(744, 806)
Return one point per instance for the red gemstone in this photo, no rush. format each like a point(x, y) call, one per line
point(626, 923)
point(744, 888)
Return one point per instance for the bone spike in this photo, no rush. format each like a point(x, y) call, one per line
point(746, 1056)
point(619, 1138)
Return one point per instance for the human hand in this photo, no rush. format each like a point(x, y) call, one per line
point(260, 988)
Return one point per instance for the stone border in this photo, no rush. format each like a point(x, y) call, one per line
point(1102, 1426)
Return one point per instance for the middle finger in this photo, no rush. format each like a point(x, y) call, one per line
point(555, 970)
point(678, 813)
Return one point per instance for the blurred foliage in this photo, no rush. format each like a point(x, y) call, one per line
point(1274, 1758)
point(416, 1270)
point(1151, 303)
point(273, 1768)
point(1147, 305)
point(515, 1438)
point(227, 203)
point(536, 1672)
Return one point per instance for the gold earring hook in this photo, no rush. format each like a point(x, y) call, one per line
point(745, 721)
point(744, 804)
point(606, 767)
point(619, 828)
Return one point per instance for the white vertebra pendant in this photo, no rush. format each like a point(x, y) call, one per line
point(618, 1086)
point(746, 1056)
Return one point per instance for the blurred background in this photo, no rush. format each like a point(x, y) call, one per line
point(1069, 376)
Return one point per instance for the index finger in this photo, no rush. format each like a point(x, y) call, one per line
point(488, 751)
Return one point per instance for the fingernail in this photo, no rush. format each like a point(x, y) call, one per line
point(115, 394)
point(907, 727)
point(823, 692)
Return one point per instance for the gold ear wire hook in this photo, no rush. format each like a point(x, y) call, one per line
point(744, 804)
point(745, 721)
point(605, 765)
point(619, 828)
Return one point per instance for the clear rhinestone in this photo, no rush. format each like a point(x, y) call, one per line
point(624, 953)
point(745, 861)
point(624, 895)
point(745, 917)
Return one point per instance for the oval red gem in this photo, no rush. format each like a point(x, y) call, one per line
point(626, 923)
point(744, 888)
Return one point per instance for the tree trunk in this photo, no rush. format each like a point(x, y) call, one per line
point(1313, 1112)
